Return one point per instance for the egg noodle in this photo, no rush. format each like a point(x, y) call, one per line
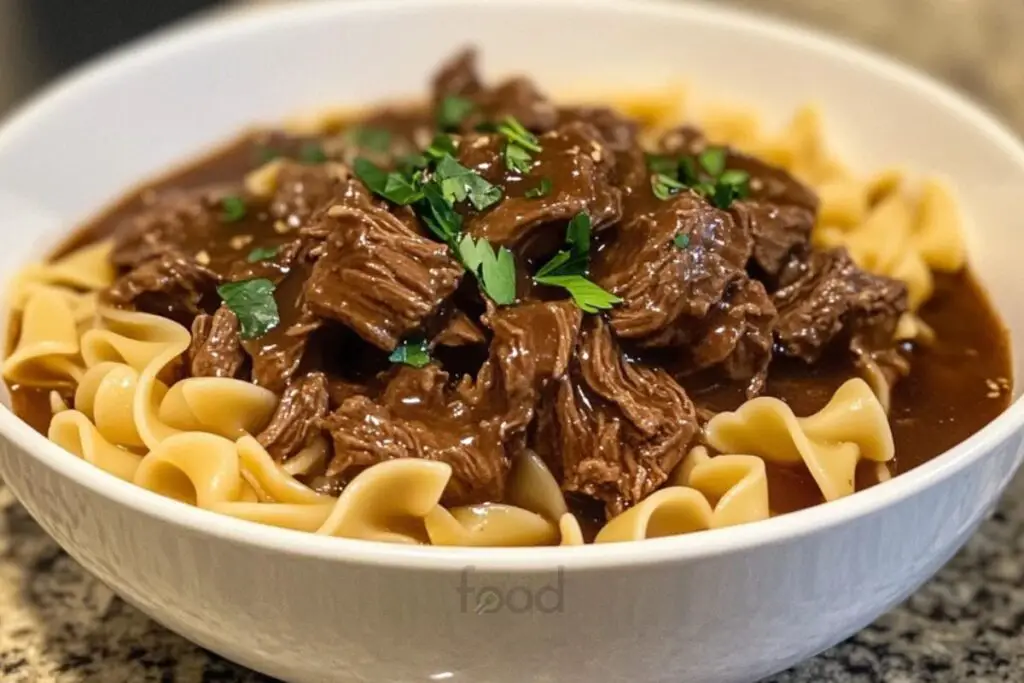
point(192, 440)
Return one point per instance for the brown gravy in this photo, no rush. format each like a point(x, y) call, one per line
point(956, 385)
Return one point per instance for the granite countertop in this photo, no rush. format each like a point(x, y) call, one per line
point(58, 624)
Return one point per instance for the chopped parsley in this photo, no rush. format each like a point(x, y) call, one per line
point(543, 189)
point(265, 153)
point(261, 254)
point(412, 352)
point(519, 142)
point(312, 153)
point(706, 175)
point(369, 138)
point(394, 186)
point(496, 270)
point(665, 186)
point(712, 160)
point(459, 183)
point(568, 269)
point(232, 209)
point(681, 241)
point(433, 183)
point(441, 144)
point(452, 110)
point(253, 302)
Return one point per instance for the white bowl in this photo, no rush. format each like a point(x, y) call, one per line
point(728, 605)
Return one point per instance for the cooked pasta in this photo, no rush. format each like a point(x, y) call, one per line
point(293, 347)
point(830, 443)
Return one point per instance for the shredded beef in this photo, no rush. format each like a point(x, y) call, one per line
point(824, 295)
point(377, 276)
point(475, 426)
point(516, 97)
point(576, 163)
point(297, 417)
point(612, 429)
point(780, 212)
point(166, 222)
point(171, 284)
point(216, 347)
point(459, 330)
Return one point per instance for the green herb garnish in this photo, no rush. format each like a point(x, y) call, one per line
point(312, 153)
point(569, 267)
point(665, 186)
point(265, 153)
point(452, 110)
point(439, 215)
point(589, 297)
point(261, 254)
point(232, 209)
point(519, 142)
point(368, 137)
point(666, 165)
point(712, 160)
point(516, 133)
point(681, 241)
point(412, 352)
point(543, 189)
point(394, 186)
point(459, 183)
point(495, 270)
point(412, 162)
point(253, 302)
point(441, 144)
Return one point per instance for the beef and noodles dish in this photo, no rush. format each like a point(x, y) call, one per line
point(494, 320)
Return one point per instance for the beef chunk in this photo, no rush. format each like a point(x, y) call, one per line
point(459, 330)
point(579, 168)
point(516, 97)
point(167, 221)
point(302, 190)
point(618, 133)
point(171, 284)
point(736, 335)
point(476, 426)
point(216, 347)
point(777, 231)
point(377, 276)
point(823, 294)
point(780, 212)
point(295, 421)
point(613, 429)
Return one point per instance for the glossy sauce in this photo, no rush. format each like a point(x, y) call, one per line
point(956, 385)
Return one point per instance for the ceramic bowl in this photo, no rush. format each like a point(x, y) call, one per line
point(727, 605)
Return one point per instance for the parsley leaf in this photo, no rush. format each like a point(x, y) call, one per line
point(658, 163)
point(543, 189)
point(441, 144)
point(568, 269)
point(253, 302)
point(452, 110)
point(261, 254)
point(394, 186)
point(459, 183)
point(682, 241)
point(232, 209)
point(585, 294)
point(496, 271)
point(665, 186)
point(412, 162)
point(516, 133)
point(712, 160)
point(367, 137)
point(411, 352)
point(438, 214)
point(517, 159)
point(312, 153)
point(265, 153)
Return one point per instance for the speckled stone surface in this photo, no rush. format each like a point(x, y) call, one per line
point(57, 624)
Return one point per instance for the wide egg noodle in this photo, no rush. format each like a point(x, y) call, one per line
point(75, 433)
point(670, 511)
point(87, 268)
point(830, 443)
point(47, 351)
point(389, 501)
point(489, 525)
point(736, 486)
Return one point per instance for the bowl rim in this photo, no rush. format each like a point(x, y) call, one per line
point(670, 549)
